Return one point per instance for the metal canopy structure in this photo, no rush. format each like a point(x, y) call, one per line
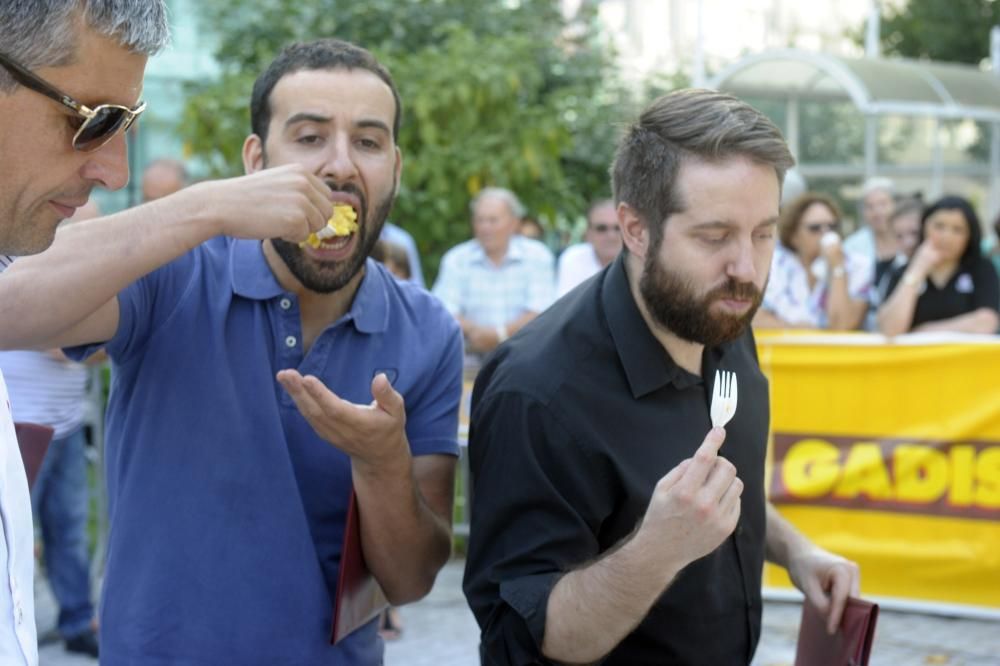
point(878, 88)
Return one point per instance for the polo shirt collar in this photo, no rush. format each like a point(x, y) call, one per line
point(253, 278)
point(647, 364)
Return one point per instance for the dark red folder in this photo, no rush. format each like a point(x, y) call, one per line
point(33, 441)
point(851, 645)
point(359, 597)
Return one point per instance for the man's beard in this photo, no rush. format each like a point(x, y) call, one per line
point(325, 277)
point(673, 303)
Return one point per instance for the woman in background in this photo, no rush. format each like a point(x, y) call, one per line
point(948, 285)
point(813, 284)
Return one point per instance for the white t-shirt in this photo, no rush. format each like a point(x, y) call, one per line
point(576, 264)
point(18, 641)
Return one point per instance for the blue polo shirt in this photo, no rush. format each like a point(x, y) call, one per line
point(226, 509)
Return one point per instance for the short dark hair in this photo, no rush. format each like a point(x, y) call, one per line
point(315, 55)
point(791, 215)
point(972, 253)
point(688, 124)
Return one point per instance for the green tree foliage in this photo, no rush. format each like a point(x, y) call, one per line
point(946, 30)
point(942, 30)
point(494, 93)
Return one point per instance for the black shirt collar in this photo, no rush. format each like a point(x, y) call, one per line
point(647, 364)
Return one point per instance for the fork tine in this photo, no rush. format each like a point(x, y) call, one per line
point(717, 387)
point(735, 388)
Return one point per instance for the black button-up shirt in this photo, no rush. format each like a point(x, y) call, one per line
point(574, 421)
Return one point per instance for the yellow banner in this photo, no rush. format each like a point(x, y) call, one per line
point(889, 453)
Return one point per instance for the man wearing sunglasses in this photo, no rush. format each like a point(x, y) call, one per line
point(70, 80)
point(602, 243)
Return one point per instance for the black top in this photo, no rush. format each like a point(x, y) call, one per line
point(966, 291)
point(574, 420)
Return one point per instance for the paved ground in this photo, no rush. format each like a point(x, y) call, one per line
point(440, 631)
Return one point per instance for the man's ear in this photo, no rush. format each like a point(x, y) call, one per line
point(253, 154)
point(635, 234)
point(398, 169)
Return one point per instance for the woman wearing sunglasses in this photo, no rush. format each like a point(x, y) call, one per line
point(948, 285)
point(813, 283)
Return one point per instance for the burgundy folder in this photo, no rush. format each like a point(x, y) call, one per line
point(33, 441)
point(851, 645)
point(359, 597)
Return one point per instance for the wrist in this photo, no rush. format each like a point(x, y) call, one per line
point(912, 278)
point(838, 272)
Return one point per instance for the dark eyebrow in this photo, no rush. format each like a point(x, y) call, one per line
point(374, 123)
point(722, 225)
point(365, 123)
point(306, 117)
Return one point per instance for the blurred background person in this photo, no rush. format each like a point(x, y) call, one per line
point(874, 240)
point(813, 282)
point(163, 177)
point(498, 281)
point(905, 225)
point(46, 387)
point(532, 228)
point(948, 285)
point(396, 235)
point(393, 257)
point(991, 245)
point(601, 244)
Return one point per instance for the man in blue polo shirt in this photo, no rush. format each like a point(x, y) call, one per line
point(257, 382)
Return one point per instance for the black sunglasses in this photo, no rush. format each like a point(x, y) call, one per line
point(100, 124)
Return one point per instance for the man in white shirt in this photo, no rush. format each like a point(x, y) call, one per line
point(602, 243)
point(497, 282)
point(56, 149)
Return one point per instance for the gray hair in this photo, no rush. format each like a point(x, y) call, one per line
point(684, 125)
point(44, 33)
point(514, 204)
point(878, 184)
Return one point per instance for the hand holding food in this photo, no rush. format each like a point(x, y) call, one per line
point(343, 223)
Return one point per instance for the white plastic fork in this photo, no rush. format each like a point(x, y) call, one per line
point(724, 395)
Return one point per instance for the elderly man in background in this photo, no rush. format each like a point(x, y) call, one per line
point(498, 281)
point(602, 243)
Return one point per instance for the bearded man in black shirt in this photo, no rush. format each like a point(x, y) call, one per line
point(606, 524)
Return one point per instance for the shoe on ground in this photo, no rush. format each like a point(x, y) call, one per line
point(85, 643)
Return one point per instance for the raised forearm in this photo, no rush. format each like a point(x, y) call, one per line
point(590, 610)
point(405, 529)
point(85, 268)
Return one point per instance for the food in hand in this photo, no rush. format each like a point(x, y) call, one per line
point(343, 223)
